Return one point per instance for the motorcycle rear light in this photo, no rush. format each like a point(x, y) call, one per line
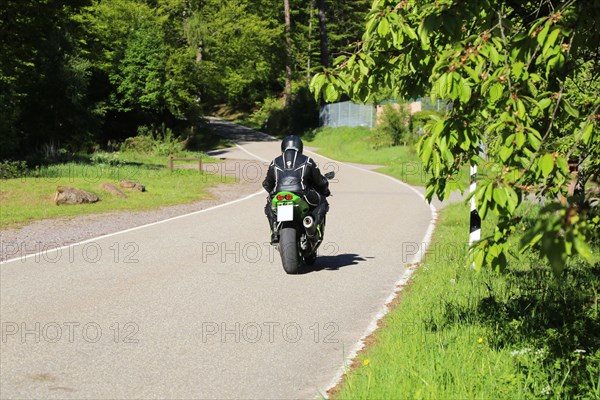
point(288, 196)
point(280, 197)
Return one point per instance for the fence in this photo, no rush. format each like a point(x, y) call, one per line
point(347, 114)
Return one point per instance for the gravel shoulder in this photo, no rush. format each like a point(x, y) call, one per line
point(47, 234)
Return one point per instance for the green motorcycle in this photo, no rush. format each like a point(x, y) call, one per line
point(299, 234)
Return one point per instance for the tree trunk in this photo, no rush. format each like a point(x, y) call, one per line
point(288, 53)
point(323, 33)
point(312, 4)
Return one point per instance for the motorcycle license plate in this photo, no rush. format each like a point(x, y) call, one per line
point(285, 212)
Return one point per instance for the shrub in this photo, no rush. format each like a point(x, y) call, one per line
point(138, 144)
point(103, 157)
point(161, 143)
point(393, 127)
point(13, 169)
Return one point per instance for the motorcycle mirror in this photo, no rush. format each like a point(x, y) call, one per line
point(330, 175)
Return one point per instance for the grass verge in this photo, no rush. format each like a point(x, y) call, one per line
point(458, 334)
point(454, 333)
point(31, 197)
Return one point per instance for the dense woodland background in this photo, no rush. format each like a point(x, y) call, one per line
point(76, 75)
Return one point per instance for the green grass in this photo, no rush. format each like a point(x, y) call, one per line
point(455, 333)
point(32, 197)
point(459, 334)
point(421, 352)
point(355, 145)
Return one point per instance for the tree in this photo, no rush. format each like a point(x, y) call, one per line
point(323, 33)
point(340, 27)
point(288, 52)
point(144, 69)
point(242, 54)
point(43, 77)
point(523, 78)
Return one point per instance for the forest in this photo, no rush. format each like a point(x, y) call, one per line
point(78, 75)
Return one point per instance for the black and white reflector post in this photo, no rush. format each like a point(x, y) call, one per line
point(475, 222)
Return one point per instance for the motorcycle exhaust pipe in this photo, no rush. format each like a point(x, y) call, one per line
point(309, 224)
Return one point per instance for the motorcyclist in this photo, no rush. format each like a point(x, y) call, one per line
point(294, 172)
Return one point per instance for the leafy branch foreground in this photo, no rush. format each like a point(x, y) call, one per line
point(523, 79)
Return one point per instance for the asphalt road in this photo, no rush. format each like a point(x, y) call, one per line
point(199, 306)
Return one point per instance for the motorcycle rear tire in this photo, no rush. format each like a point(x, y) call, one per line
point(288, 248)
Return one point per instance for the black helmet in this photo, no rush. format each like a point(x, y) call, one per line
point(292, 142)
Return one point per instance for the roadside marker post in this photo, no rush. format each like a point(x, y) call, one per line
point(475, 219)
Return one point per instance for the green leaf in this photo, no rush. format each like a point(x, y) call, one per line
point(534, 138)
point(316, 85)
point(442, 85)
point(573, 112)
point(494, 55)
point(384, 27)
point(542, 35)
point(496, 92)
point(582, 248)
point(331, 93)
point(517, 69)
point(423, 32)
point(544, 103)
point(426, 149)
point(489, 189)
point(546, 164)
point(563, 165)
point(551, 40)
point(521, 109)
point(520, 139)
point(410, 32)
point(477, 258)
point(339, 59)
point(587, 133)
point(351, 61)
point(500, 196)
point(512, 199)
point(505, 153)
point(472, 73)
point(465, 92)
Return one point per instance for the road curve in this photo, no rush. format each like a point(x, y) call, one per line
point(199, 306)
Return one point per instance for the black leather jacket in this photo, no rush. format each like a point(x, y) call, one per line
point(296, 173)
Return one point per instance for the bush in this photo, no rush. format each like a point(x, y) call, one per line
point(13, 169)
point(393, 127)
point(138, 144)
point(103, 157)
point(152, 142)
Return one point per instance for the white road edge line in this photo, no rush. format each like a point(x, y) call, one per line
point(252, 154)
point(398, 286)
point(49, 251)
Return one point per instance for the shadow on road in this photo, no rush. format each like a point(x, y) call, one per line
point(333, 263)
